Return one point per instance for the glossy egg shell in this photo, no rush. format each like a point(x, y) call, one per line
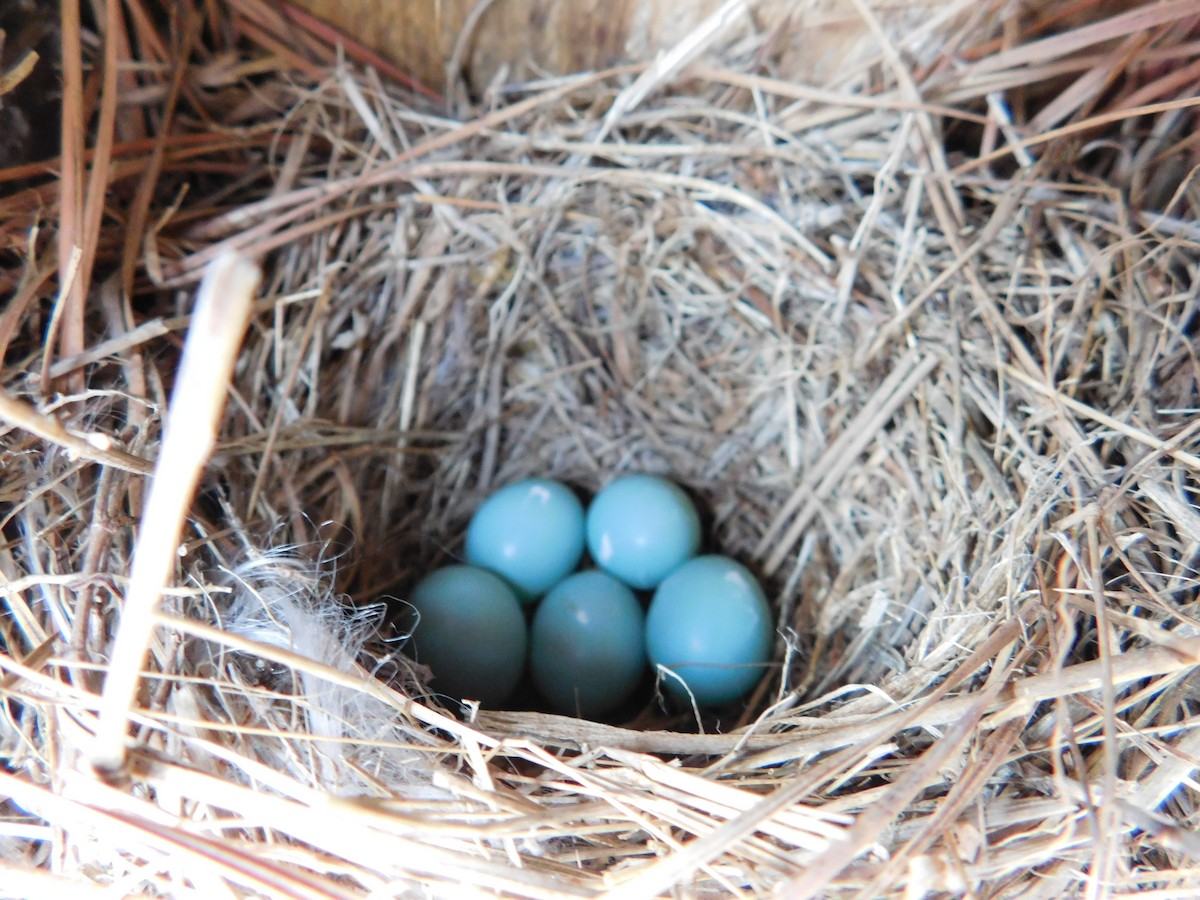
point(470, 630)
point(709, 623)
point(587, 644)
point(640, 528)
point(530, 533)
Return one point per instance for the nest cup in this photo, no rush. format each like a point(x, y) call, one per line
point(917, 340)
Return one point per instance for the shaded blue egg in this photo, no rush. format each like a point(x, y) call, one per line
point(640, 528)
point(710, 625)
point(530, 533)
point(587, 645)
point(468, 627)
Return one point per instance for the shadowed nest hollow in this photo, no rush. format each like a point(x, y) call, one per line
point(919, 342)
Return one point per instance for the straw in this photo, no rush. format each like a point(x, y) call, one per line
point(917, 337)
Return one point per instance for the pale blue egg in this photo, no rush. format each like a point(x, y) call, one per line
point(530, 533)
point(640, 528)
point(710, 625)
point(470, 630)
point(587, 645)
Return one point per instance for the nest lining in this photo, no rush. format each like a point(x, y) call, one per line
point(944, 416)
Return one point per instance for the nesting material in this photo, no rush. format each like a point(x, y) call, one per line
point(463, 43)
point(919, 340)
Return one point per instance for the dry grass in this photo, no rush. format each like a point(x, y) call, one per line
point(920, 341)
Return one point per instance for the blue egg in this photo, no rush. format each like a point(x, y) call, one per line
point(640, 528)
point(587, 645)
point(470, 631)
point(530, 533)
point(709, 623)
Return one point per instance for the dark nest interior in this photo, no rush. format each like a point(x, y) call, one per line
point(919, 341)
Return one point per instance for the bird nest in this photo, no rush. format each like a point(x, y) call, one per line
point(918, 341)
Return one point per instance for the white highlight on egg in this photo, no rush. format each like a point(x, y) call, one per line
point(605, 551)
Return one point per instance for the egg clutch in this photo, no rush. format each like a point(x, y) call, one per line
point(707, 631)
